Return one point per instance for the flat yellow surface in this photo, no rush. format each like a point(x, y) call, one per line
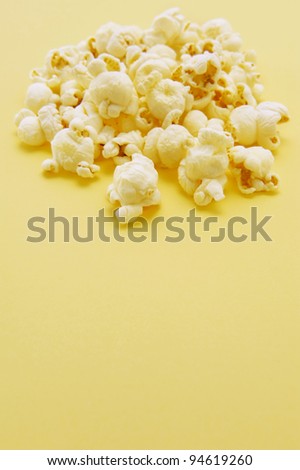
point(147, 345)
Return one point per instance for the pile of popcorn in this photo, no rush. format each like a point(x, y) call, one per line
point(177, 95)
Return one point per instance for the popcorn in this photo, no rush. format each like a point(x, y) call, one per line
point(168, 147)
point(202, 172)
point(113, 93)
point(38, 95)
point(176, 95)
point(71, 93)
point(134, 187)
point(73, 150)
point(124, 145)
point(250, 125)
point(50, 121)
point(194, 121)
point(167, 95)
point(252, 169)
point(30, 131)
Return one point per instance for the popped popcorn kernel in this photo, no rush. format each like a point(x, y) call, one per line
point(177, 95)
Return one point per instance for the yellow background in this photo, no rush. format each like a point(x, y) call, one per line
point(157, 346)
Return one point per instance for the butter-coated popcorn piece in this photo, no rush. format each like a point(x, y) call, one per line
point(73, 149)
point(30, 131)
point(134, 187)
point(252, 169)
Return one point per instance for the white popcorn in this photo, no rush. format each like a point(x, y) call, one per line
point(124, 123)
point(147, 70)
point(210, 190)
point(177, 95)
point(202, 172)
point(119, 41)
point(30, 131)
point(250, 126)
point(275, 108)
point(144, 119)
point(41, 76)
point(23, 113)
point(216, 27)
point(103, 35)
point(61, 61)
point(167, 95)
point(243, 125)
point(71, 93)
point(134, 187)
point(252, 169)
point(200, 71)
point(194, 121)
point(113, 93)
point(73, 150)
point(38, 95)
point(123, 145)
point(166, 27)
point(50, 120)
point(168, 147)
point(163, 51)
point(230, 41)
